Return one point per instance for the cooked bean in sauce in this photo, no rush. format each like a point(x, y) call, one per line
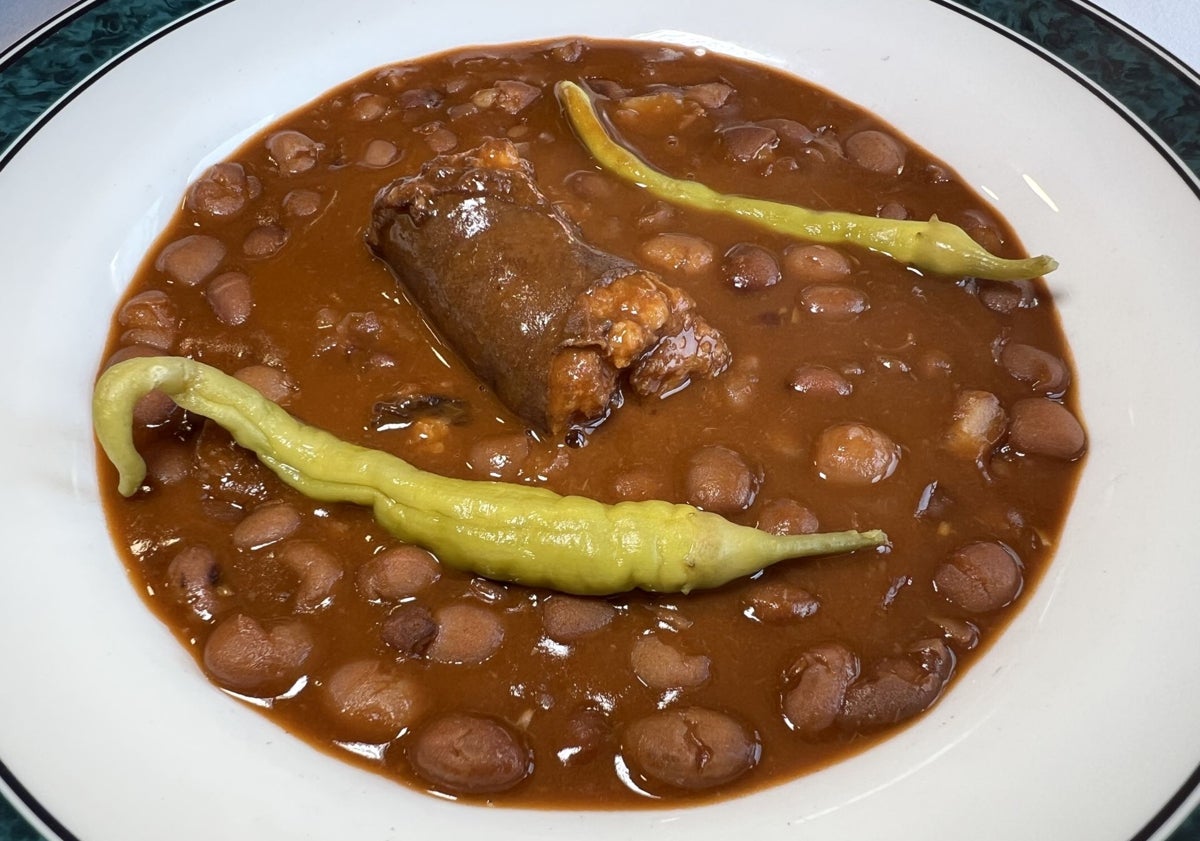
point(848, 393)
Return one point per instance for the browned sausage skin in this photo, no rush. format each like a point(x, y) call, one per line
point(548, 321)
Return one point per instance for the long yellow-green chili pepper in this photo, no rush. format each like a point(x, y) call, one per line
point(517, 533)
point(934, 246)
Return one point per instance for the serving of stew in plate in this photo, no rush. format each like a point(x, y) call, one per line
point(495, 329)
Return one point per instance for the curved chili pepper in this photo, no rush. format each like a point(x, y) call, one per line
point(519, 533)
point(934, 246)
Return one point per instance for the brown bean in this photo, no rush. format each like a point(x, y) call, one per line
point(409, 628)
point(708, 94)
point(467, 633)
point(747, 142)
point(786, 516)
point(983, 229)
point(368, 106)
point(662, 666)
point(469, 754)
point(1043, 371)
point(827, 144)
point(265, 525)
point(690, 748)
point(569, 618)
point(1043, 427)
point(191, 259)
point(152, 309)
point(293, 152)
point(1006, 296)
point(980, 577)
point(168, 463)
point(977, 423)
point(677, 252)
point(236, 477)
point(302, 203)
point(243, 655)
point(192, 577)
point(962, 634)
point(419, 99)
point(159, 338)
point(820, 381)
point(815, 263)
point(897, 688)
point(439, 138)
point(371, 701)
point(640, 484)
point(271, 383)
point(397, 573)
point(264, 241)
point(834, 301)
point(657, 215)
point(590, 185)
point(500, 456)
point(815, 687)
point(740, 381)
point(569, 52)
point(230, 297)
point(876, 151)
point(316, 567)
point(510, 96)
point(721, 480)
point(380, 153)
point(855, 454)
point(222, 190)
point(749, 266)
point(778, 601)
point(586, 734)
point(789, 130)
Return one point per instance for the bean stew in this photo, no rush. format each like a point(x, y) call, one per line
point(428, 262)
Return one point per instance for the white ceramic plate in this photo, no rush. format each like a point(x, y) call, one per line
point(1079, 723)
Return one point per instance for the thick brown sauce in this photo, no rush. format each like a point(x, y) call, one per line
point(329, 317)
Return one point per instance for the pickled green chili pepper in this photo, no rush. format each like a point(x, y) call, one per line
point(934, 246)
point(519, 533)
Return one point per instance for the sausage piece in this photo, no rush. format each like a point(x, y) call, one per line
point(545, 319)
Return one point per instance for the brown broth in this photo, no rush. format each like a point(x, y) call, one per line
point(919, 343)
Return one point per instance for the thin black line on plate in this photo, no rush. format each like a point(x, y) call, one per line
point(1111, 21)
point(34, 805)
point(1170, 808)
point(1031, 40)
point(1027, 40)
point(86, 82)
point(10, 779)
point(21, 47)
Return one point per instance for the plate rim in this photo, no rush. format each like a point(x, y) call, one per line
point(1184, 158)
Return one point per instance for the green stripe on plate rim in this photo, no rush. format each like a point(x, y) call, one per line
point(38, 76)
